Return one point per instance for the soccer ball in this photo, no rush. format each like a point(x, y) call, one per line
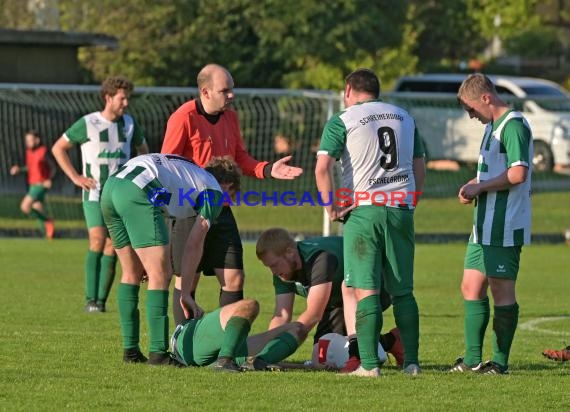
point(332, 351)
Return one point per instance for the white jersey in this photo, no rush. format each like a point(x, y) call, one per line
point(182, 181)
point(105, 146)
point(503, 218)
point(376, 143)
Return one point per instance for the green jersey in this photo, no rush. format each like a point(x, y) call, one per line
point(315, 271)
point(105, 146)
point(503, 218)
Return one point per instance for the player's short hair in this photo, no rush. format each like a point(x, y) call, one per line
point(276, 240)
point(474, 86)
point(364, 80)
point(225, 170)
point(111, 86)
point(33, 132)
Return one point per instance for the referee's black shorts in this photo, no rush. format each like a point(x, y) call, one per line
point(222, 248)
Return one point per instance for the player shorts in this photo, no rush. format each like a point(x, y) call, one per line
point(380, 240)
point(222, 246)
point(93, 214)
point(331, 322)
point(130, 217)
point(198, 341)
point(37, 192)
point(493, 261)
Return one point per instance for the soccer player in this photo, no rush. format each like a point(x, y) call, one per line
point(199, 129)
point(220, 338)
point(106, 138)
point(501, 224)
point(313, 269)
point(132, 203)
point(379, 151)
point(562, 355)
point(40, 169)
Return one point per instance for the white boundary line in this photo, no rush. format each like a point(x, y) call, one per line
point(532, 325)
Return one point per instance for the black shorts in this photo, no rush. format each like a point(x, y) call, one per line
point(331, 322)
point(222, 247)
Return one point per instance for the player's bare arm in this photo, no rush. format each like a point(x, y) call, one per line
point(283, 312)
point(316, 303)
point(325, 184)
point(59, 150)
point(190, 262)
point(419, 167)
point(511, 177)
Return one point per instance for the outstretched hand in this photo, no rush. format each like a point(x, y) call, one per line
point(281, 170)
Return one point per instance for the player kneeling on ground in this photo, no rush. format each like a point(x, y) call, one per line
point(313, 269)
point(133, 202)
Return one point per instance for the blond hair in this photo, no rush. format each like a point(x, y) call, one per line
point(474, 86)
point(276, 240)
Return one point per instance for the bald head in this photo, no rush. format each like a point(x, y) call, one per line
point(216, 88)
point(209, 72)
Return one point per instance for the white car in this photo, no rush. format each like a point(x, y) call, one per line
point(449, 133)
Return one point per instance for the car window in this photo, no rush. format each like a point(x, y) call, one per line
point(423, 86)
point(504, 91)
point(549, 98)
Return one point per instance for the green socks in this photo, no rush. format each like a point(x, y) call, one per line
point(407, 319)
point(157, 318)
point(475, 323)
point(505, 320)
point(235, 334)
point(368, 325)
point(92, 269)
point(41, 219)
point(128, 300)
point(106, 277)
point(156, 308)
point(279, 348)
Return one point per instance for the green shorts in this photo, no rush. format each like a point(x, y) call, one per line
point(130, 217)
point(92, 213)
point(493, 261)
point(37, 192)
point(379, 247)
point(198, 341)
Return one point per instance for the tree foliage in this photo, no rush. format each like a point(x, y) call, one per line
point(275, 43)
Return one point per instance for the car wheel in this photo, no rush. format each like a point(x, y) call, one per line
point(542, 159)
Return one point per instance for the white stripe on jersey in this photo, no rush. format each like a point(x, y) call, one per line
point(518, 207)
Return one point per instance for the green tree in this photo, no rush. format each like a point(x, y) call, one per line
point(448, 33)
point(265, 44)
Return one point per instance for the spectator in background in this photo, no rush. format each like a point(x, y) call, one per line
point(40, 169)
point(199, 130)
point(106, 138)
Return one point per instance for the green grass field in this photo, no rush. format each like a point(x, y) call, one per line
point(56, 357)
